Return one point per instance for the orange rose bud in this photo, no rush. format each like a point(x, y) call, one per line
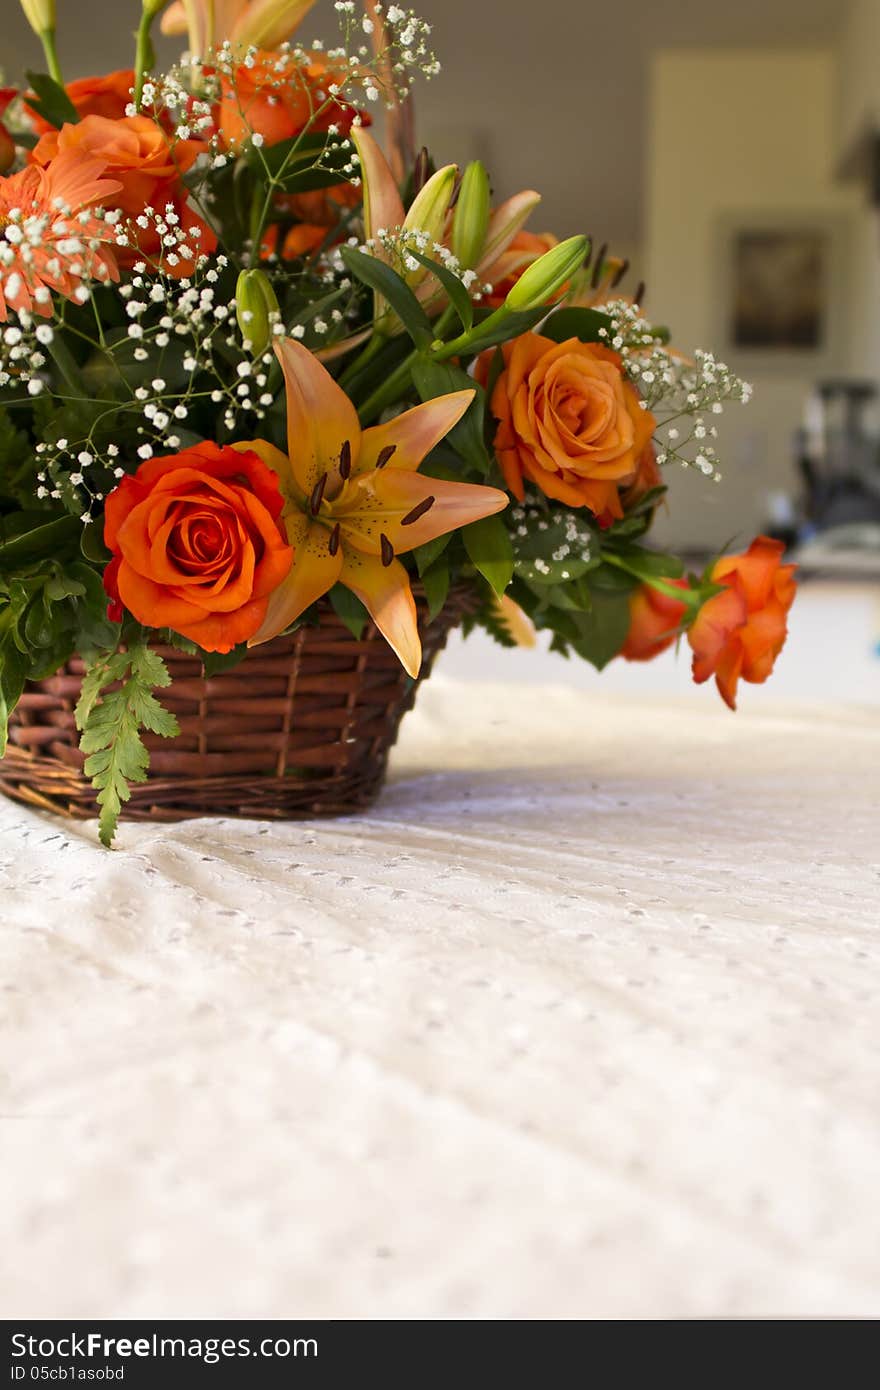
point(740, 632)
point(197, 545)
point(568, 421)
point(654, 621)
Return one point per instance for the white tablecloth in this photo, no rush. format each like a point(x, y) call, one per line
point(580, 1021)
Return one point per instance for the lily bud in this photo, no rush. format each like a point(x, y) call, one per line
point(471, 221)
point(40, 15)
point(546, 275)
point(255, 304)
point(430, 206)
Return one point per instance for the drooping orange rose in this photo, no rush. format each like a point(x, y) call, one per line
point(197, 544)
point(568, 421)
point(107, 95)
point(740, 632)
point(654, 619)
point(275, 98)
point(138, 153)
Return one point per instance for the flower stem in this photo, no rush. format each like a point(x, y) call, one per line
point(144, 56)
point(47, 39)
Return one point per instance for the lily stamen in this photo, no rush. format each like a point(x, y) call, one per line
point(345, 461)
point(387, 550)
point(385, 455)
point(317, 496)
point(417, 511)
point(333, 543)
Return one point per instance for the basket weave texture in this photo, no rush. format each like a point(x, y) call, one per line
point(302, 727)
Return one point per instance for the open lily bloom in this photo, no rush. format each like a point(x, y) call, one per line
point(354, 500)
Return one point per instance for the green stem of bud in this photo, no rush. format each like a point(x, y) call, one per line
point(47, 39)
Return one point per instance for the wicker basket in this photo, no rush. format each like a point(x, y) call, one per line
point(303, 727)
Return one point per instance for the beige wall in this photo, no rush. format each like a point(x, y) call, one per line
point(734, 132)
point(857, 118)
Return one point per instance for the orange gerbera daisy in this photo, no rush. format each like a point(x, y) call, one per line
point(52, 238)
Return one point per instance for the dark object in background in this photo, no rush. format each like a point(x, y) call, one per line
point(839, 461)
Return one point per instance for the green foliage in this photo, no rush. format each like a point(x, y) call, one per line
point(349, 609)
point(432, 379)
point(386, 283)
point(489, 549)
point(51, 101)
point(499, 327)
point(589, 325)
point(16, 462)
point(116, 703)
point(458, 295)
point(435, 582)
point(557, 546)
point(51, 604)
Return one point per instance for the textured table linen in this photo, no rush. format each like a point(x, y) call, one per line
point(580, 1021)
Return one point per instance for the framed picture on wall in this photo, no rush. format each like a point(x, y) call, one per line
point(782, 280)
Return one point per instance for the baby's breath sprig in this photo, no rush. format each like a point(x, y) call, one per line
point(679, 391)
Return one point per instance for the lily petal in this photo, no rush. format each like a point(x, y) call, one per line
point(381, 503)
point(385, 593)
point(313, 572)
point(272, 457)
point(320, 417)
point(414, 433)
point(267, 23)
point(504, 224)
point(383, 205)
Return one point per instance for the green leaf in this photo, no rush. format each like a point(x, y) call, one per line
point(578, 323)
point(46, 539)
point(458, 295)
point(602, 631)
point(52, 102)
point(557, 547)
point(425, 555)
point(648, 564)
point(13, 674)
point(390, 286)
point(505, 327)
point(432, 379)
point(489, 549)
point(214, 662)
point(349, 609)
point(435, 582)
point(116, 702)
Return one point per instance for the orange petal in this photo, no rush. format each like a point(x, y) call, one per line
point(313, 572)
point(504, 223)
point(414, 433)
point(272, 457)
point(383, 206)
point(379, 503)
point(385, 593)
point(320, 417)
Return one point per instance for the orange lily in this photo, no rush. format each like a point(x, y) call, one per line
point(354, 500)
point(263, 23)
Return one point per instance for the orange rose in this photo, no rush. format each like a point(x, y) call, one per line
point(568, 421)
point(95, 96)
point(138, 153)
point(654, 619)
point(262, 100)
point(740, 632)
point(197, 545)
point(648, 476)
point(300, 241)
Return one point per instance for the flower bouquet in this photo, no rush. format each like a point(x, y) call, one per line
point(278, 409)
